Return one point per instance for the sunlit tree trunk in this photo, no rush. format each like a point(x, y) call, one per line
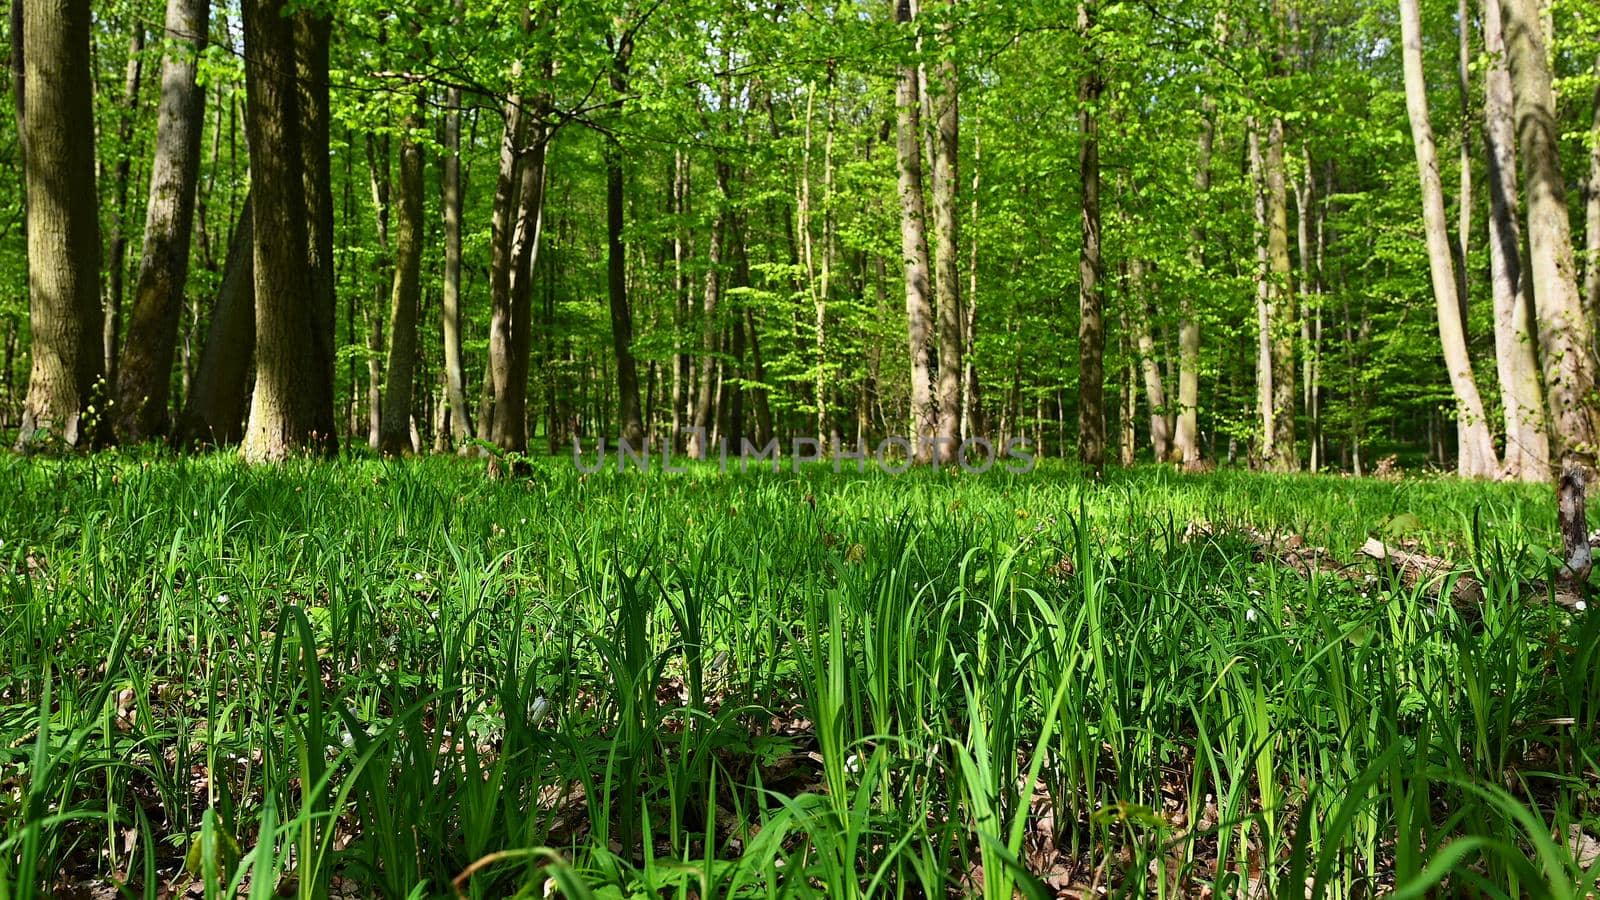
point(704, 405)
point(1091, 300)
point(631, 421)
point(1565, 337)
point(946, 187)
point(63, 227)
point(1263, 276)
point(285, 417)
point(146, 370)
point(452, 201)
point(1280, 305)
point(1186, 439)
point(1527, 449)
point(511, 394)
point(914, 250)
point(1591, 280)
point(1476, 455)
point(117, 252)
point(1155, 390)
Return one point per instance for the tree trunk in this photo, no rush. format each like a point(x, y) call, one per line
point(1564, 335)
point(116, 267)
point(146, 369)
point(947, 250)
point(1264, 373)
point(63, 227)
point(1280, 306)
point(1155, 391)
point(1527, 452)
point(617, 278)
point(286, 408)
point(680, 296)
point(701, 423)
point(452, 200)
point(312, 34)
point(394, 423)
point(214, 410)
point(914, 249)
point(1187, 437)
point(511, 394)
point(1476, 456)
point(1591, 278)
point(971, 405)
point(1091, 302)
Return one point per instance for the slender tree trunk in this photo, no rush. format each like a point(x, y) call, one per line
point(617, 268)
point(1091, 301)
point(947, 249)
point(1187, 438)
point(971, 405)
point(1476, 456)
point(1155, 391)
point(680, 296)
point(1263, 273)
point(1280, 303)
point(452, 201)
point(914, 250)
point(285, 409)
point(63, 227)
point(146, 370)
point(1591, 278)
point(214, 410)
point(394, 423)
point(511, 393)
point(704, 405)
point(116, 262)
point(1564, 335)
point(1527, 452)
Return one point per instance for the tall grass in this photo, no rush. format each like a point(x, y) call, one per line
point(404, 679)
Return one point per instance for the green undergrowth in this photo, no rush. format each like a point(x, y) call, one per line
point(410, 679)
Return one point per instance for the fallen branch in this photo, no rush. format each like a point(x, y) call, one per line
point(1430, 572)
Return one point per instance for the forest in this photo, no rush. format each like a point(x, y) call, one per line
point(1272, 324)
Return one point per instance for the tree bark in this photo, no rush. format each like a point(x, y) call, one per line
point(511, 394)
point(1476, 455)
point(146, 369)
point(947, 244)
point(914, 249)
point(1091, 301)
point(394, 423)
point(1186, 440)
point(63, 228)
point(286, 415)
point(452, 201)
point(1527, 449)
point(1155, 391)
point(215, 408)
point(312, 35)
point(1591, 277)
point(1564, 335)
point(700, 422)
point(1280, 305)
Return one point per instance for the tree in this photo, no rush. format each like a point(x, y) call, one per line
point(914, 247)
point(63, 228)
point(145, 375)
point(1186, 439)
point(1091, 301)
point(1476, 455)
point(617, 253)
point(946, 188)
point(214, 410)
point(394, 424)
point(1527, 447)
point(291, 408)
point(1565, 337)
point(455, 377)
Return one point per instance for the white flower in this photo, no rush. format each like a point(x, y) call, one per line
point(852, 763)
point(538, 710)
point(1250, 614)
point(1580, 606)
point(223, 599)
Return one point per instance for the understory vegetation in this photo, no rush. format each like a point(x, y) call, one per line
point(405, 679)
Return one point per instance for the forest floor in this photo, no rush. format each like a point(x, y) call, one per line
point(411, 679)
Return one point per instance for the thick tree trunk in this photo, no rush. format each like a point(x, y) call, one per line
point(914, 250)
point(1476, 455)
point(117, 253)
point(1527, 451)
point(1280, 306)
point(63, 227)
point(286, 408)
point(1186, 440)
point(1564, 335)
point(947, 250)
point(1091, 301)
point(452, 201)
point(146, 370)
point(214, 410)
point(394, 423)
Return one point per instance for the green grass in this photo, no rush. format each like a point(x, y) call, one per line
point(406, 679)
